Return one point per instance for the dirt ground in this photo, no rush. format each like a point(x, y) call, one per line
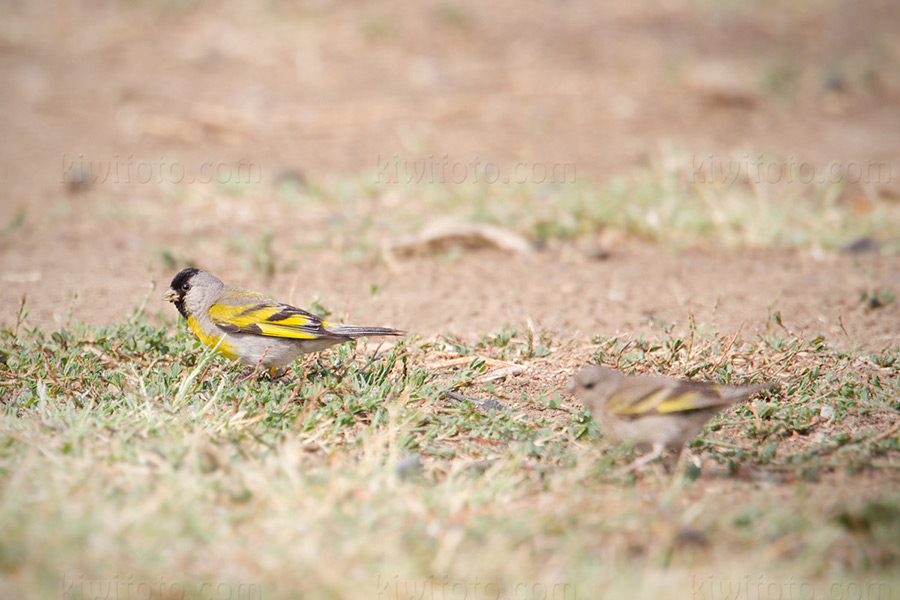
point(334, 89)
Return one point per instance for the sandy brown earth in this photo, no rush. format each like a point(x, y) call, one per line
point(115, 115)
point(339, 89)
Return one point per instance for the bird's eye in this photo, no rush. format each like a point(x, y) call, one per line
point(185, 286)
point(589, 385)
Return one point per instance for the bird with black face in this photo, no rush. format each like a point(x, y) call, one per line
point(250, 327)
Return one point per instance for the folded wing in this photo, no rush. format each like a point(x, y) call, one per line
point(659, 396)
point(270, 318)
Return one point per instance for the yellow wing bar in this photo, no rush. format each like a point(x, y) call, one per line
point(664, 400)
point(270, 319)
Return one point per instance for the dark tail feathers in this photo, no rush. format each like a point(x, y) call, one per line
point(355, 332)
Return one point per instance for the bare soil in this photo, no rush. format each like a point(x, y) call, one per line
point(336, 89)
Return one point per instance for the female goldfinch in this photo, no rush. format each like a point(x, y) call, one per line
point(249, 327)
point(651, 412)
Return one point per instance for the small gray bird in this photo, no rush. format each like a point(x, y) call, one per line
point(652, 412)
point(252, 328)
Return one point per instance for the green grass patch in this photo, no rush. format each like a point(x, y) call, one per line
point(130, 454)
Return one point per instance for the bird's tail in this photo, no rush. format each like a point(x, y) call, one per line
point(355, 332)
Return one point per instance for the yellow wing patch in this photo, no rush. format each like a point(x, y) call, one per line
point(680, 403)
point(658, 401)
point(270, 319)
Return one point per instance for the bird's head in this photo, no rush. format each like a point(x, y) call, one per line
point(192, 290)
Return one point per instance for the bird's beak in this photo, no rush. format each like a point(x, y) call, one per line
point(571, 387)
point(170, 295)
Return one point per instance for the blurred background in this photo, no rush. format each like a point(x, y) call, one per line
point(292, 145)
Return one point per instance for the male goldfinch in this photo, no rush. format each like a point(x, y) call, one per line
point(252, 328)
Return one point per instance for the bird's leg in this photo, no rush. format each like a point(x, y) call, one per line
point(691, 458)
point(681, 471)
point(278, 374)
point(655, 452)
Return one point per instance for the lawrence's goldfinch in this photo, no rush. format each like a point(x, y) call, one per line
point(651, 412)
point(249, 327)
